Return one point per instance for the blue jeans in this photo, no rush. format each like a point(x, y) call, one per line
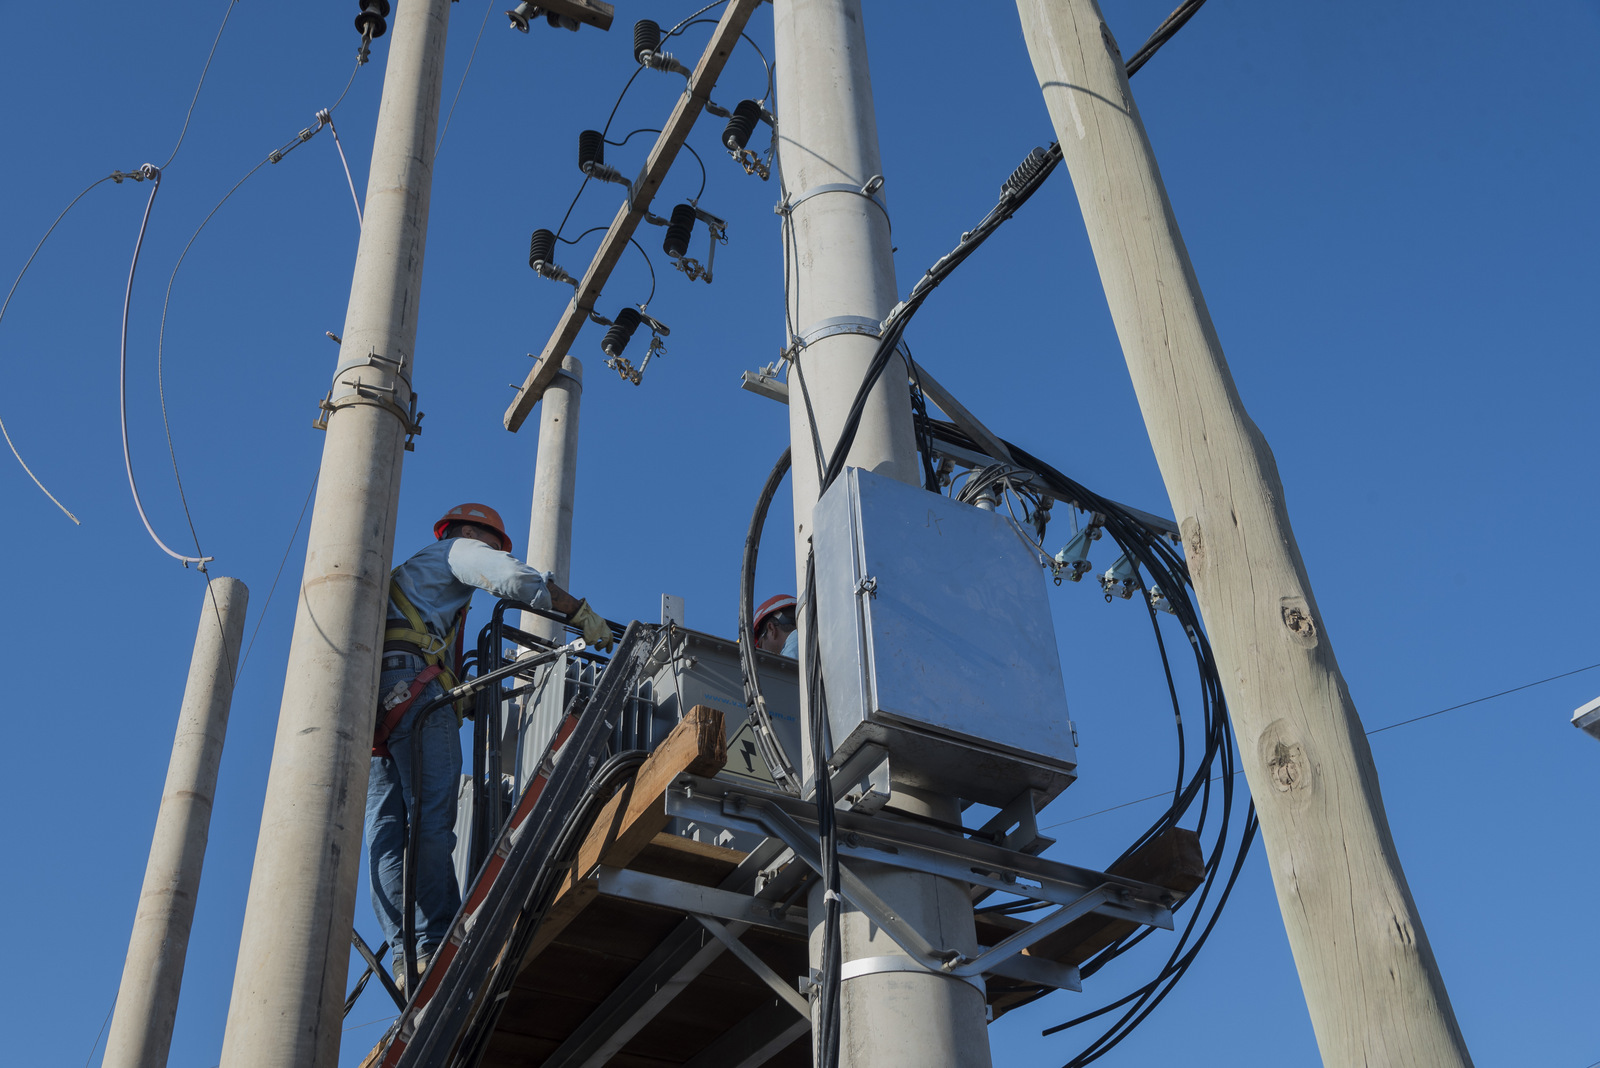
point(389, 801)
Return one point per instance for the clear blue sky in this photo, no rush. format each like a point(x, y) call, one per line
point(1391, 210)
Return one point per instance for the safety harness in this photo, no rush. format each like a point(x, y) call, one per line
point(439, 654)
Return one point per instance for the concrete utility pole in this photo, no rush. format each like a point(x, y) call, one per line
point(1370, 979)
point(837, 258)
point(295, 951)
point(555, 481)
point(147, 1001)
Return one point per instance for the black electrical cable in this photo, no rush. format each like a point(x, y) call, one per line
point(1163, 33)
point(692, 152)
point(829, 994)
point(784, 775)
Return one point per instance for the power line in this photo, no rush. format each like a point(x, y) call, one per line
point(196, 98)
point(107, 1020)
point(1375, 730)
point(287, 549)
point(1480, 700)
point(463, 83)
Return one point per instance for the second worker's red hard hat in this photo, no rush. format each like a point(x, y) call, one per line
point(480, 514)
point(771, 606)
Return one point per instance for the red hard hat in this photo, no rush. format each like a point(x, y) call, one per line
point(771, 606)
point(480, 514)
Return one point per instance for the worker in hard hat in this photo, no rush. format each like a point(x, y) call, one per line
point(428, 598)
point(775, 626)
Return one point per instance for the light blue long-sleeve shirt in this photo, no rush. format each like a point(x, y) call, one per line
point(791, 645)
point(440, 579)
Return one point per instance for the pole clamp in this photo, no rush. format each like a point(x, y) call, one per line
point(373, 394)
point(855, 969)
point(836, 324)
point(870, 191)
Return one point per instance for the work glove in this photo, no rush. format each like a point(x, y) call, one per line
point(596, 631)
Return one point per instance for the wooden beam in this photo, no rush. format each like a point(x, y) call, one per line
point(673, 134)
point(1173, 861)
point(635, 815)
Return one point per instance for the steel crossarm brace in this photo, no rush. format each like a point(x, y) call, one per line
point(1026, 969)
point(673, 134)
point(377, 969)
point(656, 981)
point(698, 900)
point(909, 845)
point(763, 971)
point(1021, 940)
point(856, 892)
point(754, 1040)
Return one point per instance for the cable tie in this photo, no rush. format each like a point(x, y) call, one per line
point(830, 896)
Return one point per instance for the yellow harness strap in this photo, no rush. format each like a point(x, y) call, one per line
point(435, 651)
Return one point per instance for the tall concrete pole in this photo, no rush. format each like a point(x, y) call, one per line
point(1370, 979)
point(147, 1001)
point(294, 953)
point(555, 482)
point(840, 272)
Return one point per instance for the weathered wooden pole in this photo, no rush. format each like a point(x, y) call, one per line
point(1370, 980)
point(147, 1001)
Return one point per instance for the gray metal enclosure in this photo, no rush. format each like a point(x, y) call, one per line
point(937, 642)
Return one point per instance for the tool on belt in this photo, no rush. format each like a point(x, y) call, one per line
point(396, 703)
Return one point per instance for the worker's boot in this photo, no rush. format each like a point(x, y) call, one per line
point(398, 968)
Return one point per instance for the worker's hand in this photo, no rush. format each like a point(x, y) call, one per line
point(596, 631)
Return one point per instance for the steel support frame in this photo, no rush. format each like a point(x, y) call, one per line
point(1075, 891)
point(673, 965)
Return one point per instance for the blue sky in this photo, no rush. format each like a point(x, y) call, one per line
point(1390, 208)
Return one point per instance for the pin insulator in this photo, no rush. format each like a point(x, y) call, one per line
point(646, 38)
point(743, 123)
point(621, 332)
point(541, 248)
point(591, 149)
point(679, 228)
point(373, 14)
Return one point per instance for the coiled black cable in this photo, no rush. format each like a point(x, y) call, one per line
point(778, 762)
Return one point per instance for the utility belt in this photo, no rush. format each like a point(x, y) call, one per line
point(405, 637)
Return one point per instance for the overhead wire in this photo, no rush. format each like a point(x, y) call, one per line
point(437, 145)
point(196, 98)
point(116, 176)
point(324, 117)
point(287, 549)
point(154, 174)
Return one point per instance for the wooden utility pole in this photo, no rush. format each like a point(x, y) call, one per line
point(294, 955)
point(840, 268)
point(147, 1001)
point(1370, 980)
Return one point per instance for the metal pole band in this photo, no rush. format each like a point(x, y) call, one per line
point(839, 324)
point(870, 191)
point(855, 969)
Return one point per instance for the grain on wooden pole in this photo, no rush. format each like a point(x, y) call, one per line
point(1371, 983)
